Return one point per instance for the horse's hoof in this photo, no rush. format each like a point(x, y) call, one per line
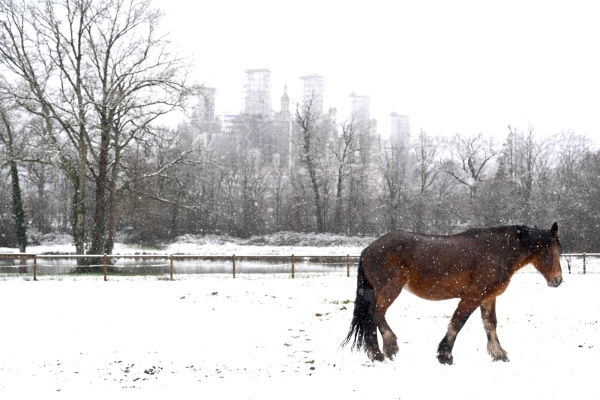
point(501, 358)
point(377, 357)
point(391, 353)
point(445, 360)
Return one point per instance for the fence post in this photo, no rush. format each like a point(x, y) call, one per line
point(233, 260)
point(105, 266)
point(584, 263)
point(171, 265)
point(348, 265)
point(35, 267)
point(293, 266)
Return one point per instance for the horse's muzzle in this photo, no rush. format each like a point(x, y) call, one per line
point(555, 282)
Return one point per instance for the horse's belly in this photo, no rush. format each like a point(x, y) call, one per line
point(436, 289)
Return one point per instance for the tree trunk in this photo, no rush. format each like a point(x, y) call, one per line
point(79, 200)
point(17, 201)
point(17, 207)
point(315, 186)
point(338, 201)
point(99, 227)
point(112, 203)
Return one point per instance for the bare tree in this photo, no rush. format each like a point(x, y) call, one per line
point(575, 182)
point(570, 149)
point(345, 157)
point(394, 165)
point(469, 157)
point(308, 142)
point(48, 83)
point(137, 80)
point(8, 139)
point(99, 73)
point(280, 193)
point(427, 149)
point(520, 160)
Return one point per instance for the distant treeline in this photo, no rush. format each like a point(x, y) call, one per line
point(437, 185)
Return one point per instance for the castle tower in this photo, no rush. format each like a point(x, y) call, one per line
point(258, 92)
point(204, 120)
point(360, 109)
point(205, 110)
point(400, 139)
point(400, 133)
point(285, 102)
point(313, 89)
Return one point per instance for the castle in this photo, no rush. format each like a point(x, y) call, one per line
point(269, 138)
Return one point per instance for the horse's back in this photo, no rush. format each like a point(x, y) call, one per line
point(426, 253)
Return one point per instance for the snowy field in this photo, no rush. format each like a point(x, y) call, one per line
point(267, 336)
point(272, 337)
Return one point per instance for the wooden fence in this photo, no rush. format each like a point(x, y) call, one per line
point(172, 257)
point(233, 258)
point(584, 256)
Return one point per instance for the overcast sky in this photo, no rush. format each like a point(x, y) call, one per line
point(453, 66)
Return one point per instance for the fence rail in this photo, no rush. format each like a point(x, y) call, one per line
point(568, 257)
point(171, 257)
point(292, 259)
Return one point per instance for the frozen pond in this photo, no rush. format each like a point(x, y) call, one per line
point(53, 267)
point(159, 266)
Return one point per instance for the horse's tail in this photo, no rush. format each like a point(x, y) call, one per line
point(363, 324)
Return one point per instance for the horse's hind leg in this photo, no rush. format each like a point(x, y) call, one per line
point(385, 297)
point(463, 311)
point(488, 315)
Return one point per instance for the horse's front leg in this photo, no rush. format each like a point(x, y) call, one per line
point(463, 311)
point(488, 316)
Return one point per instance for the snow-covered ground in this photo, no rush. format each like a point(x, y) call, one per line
point(272, 337)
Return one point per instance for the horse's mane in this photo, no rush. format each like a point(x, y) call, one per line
point(533, 237)
point(530, 237)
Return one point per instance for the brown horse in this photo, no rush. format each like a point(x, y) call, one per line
point(475, 266)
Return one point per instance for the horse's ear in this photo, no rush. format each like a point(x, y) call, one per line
point(554, 230)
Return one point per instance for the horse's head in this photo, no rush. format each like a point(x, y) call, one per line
point(545, 249)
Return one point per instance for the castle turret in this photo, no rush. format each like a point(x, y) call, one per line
point(285, 102)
